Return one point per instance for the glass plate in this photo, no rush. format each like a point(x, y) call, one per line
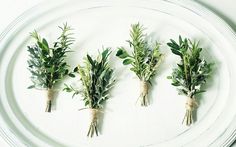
point(124, 123)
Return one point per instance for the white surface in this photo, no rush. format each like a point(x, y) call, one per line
point(10, 9)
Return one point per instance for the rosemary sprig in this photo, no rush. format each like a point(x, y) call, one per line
point(97, 80)
point(144, 60)
point(47, 64)
point(190, 74)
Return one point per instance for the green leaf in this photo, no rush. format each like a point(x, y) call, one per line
point(176, 84)
point(31, 87)
point(74, 94)
point(67, 89)
point(122, 53)
point(200, 91)
point(90, 60)
point(76, 69)
point(176, 52)
point(173, 45)
point(182, 91)
point(71, 75)
point(40, 45)
point(127, 61)
point(105, 53)
point(86, 103)
point(180, 39)
point(45, 43)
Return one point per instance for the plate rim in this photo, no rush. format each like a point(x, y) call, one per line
point(12, 140)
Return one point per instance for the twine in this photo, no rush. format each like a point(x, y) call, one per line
point(94, 114)
point(144, 87)
point(50, 93)
point(191, 104)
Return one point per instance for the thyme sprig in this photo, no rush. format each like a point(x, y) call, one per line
point(190, 74)
point(144, 59)
point(47, 64)
point(97, 80)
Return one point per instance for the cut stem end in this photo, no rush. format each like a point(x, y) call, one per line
point(190, 106)
point(49, 100)
point(49, 106)
point(93, 127)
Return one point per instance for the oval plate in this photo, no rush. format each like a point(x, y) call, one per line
point(124, 123)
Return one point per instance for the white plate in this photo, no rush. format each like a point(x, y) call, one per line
point(126, 124)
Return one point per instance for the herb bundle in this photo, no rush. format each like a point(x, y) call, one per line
point(144, 60)
point(97, 80)
point(47, 64)
point(191, 73)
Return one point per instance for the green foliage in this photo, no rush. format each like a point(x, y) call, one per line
point(69, 88)
point(97, 80)
point(191, 73)
point(47, 64)
point(145, 58)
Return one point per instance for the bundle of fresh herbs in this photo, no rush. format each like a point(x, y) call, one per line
point(97, 80)
point(144, 59)
point(190, 74)
point(47, 64)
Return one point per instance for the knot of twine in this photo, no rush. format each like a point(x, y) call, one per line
point(49, 95)
point(144, 87)
point(94, 114)
point(191, 104)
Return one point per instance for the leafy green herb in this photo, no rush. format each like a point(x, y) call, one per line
point(144, 59)
point(191, 73)
point(47, 64)
point(97, 80)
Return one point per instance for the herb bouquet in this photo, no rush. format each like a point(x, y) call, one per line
point(144, 60)
point(190, 74)
point(97, 80)
point(47, 64)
